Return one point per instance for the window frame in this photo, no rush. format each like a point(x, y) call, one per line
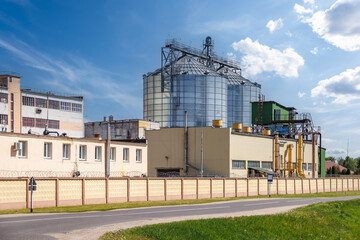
point(68, 151)
point(248, 163)
point(266, 162)
point(22, 152)
point(82, 147)
point(97, 154)
point(112, 154)
point(41, 103)
point(238, 162)
point(76, 107)
point(140, 156)
point(47, 150)
point(127, 154)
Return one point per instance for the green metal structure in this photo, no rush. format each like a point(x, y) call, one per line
point(321, 163)
point(266, 113)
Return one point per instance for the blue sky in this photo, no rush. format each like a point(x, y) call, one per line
point(304, 53)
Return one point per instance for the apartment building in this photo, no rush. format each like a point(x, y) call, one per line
point(27, 111)
point(27, 155)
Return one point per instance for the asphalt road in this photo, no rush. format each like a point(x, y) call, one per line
point(40, 226)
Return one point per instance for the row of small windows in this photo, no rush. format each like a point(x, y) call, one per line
point(241, 164)
point(4, 97)
point(3, 119)
point(22, 152)
point(40, 123)
point(53, 104)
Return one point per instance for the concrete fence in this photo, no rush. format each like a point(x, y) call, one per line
point(14, 193)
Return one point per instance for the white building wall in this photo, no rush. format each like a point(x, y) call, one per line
point(4, 109)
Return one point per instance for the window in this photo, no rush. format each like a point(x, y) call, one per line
point(12, 97)
point(76, 107)
point(22, 149)
point(118, 131)
point(253, 164)
point(82, 152)
point(138, 155)
point(112, 154)
point(267, 165)
point(3, 83)
point(125, 154)
point(4, 97)
point(65, 106)
point(304, 166)
point(66, 151)
point(54, 104)
point(55, 124)
point(12, 106)
point(28, 101)
point(309, 166)
point(47, 150)
point(3, 119)
point(28, 122)
point(40, 123)
point(238, 164)
point(276, 114)
point(97, 153)
point(41, 102)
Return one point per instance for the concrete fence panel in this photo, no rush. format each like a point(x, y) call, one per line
point(156, 190)
point(217, 188)
point(320, 185)
point(204, 188)
point(230, 188)
point(253, 187)
point(137, 190)
point(263, 187)
point(281, 186)
point(290, 186)
point(313, 187)
point(298, 186)
point(117, 190)
point(95, 191)
point(274, 187)
point(45, 194)
point(174, 189)
point(241, 187)
point(70, 192)
point(189, 189)
point(13, 194)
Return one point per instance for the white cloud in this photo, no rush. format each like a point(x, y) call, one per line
point(302, 10)
point(231, 56)
point(261, 58)
point(344, 87)
point(289, 34)
point(339, 25)
point(274, 25)
point(301, 94)
point(311, 2)
point(327, 140)
point(336, 151)
point(76, 76)
point(314, 51)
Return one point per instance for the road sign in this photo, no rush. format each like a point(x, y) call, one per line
point(32, 188)
point(270, 178)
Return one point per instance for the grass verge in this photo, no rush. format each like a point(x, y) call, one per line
point(332, 220)
point(112, 206)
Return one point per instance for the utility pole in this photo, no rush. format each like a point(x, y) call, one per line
point(107, 150)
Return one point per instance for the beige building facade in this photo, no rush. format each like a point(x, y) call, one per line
point(27, 155)
point(224, 153)
point(24, 110)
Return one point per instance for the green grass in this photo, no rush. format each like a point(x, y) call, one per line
point(112, 206)
point(332, 220)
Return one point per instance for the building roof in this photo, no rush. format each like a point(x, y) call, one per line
point(280, 105)
point(330, 164)
point(50, 94)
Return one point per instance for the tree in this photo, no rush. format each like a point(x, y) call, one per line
point(341, 161)
point(348, 172)
point(343, 172)
point(332, 159)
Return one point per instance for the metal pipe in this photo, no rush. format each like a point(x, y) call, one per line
point(300, 146)
point(185, 143)
point(313, 154)
point(202, 152)
point(320, 156)
point(276, 153)
point(107, 151)
point(290, 147)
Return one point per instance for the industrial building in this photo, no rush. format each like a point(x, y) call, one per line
point(227, 152)
point(120, 129)
point(27, 111)
point(201, 83)
point(30, 155)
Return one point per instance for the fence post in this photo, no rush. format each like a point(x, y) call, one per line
point(286, 186)
point(182, 188)
point(210, 187)
point(57, 192)
point(128, 190)
point(165, 189)
point(147, 189)
point(309, 185)
point(247, 187)
point(197, 188)
point(27, 193)
point(236, 191)
point(258, 189)
point(277, 186)
point(223, 187)
point(107, 189)
point(83, 191)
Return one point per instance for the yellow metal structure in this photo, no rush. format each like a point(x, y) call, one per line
point(237, 126)
point(266, 132)
point(300, 156)
point(246, 129)
point(217, 123)
point(290, 164)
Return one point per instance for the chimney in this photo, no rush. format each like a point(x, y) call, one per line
point(111, 118)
